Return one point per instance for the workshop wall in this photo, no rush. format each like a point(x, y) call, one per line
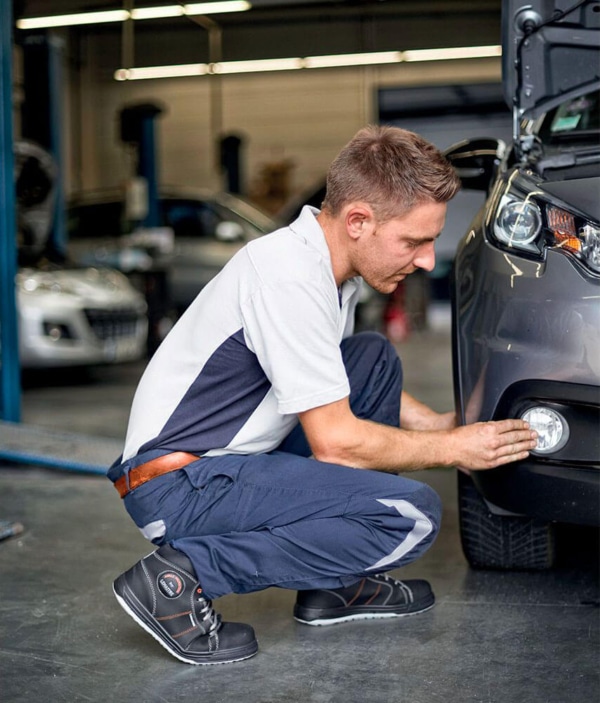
point(298, 119)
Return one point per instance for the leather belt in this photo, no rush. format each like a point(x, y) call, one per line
point(151, 469)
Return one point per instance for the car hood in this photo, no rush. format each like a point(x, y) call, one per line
point(90, 285)
point(580, 193)
point(550, 53)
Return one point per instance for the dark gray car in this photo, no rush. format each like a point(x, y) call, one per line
point(526, 289)
point(199, 232)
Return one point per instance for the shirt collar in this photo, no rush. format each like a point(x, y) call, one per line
point(307, 226)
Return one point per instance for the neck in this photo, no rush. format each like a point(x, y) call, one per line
point(337, 243)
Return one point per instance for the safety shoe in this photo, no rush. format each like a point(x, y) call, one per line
point(377, 596)
point(162, 594)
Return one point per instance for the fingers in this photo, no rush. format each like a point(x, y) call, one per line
point(504, 442)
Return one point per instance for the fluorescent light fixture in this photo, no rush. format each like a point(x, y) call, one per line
point(459, 52)
point(208, 8)
point(141, 13)
point(153, 13)
point(290, 64)
point(70, 20)
point(337, 60)
point(149, 72)
point(257, 66)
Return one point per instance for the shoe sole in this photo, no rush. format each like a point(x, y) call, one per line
point(146, 621)
point(304, 615)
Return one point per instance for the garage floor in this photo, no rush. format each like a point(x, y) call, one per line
point(492, 637)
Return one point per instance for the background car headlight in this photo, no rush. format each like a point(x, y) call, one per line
point(518, 222)
point(551, 426)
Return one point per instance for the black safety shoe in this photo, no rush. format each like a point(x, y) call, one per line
point(377, 596)
point(162, 595)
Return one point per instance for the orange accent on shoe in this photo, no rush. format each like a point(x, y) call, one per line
point(361, 585)
point(372, 598)
point(175, 615)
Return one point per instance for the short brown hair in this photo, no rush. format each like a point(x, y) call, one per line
point(392, 170)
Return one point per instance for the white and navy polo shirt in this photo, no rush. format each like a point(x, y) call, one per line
point(259, 344)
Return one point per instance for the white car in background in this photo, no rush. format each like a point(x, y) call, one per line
point(78, 317)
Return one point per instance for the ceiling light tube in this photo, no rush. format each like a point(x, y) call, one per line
point(149, 72)
point(257, 66)
point(289, 64)
point(140, 13)
point(210, 8)
point(74, 19)
point(459, 52)
point(337, 60)
point(153, 13)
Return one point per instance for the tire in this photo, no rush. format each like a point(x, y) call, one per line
point(501, 542)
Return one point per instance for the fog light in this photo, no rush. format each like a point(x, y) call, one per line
point(551, 426)
point(57, 331)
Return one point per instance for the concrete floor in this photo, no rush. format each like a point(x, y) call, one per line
point(492, 637)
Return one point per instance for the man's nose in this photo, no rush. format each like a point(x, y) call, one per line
point(425, 258)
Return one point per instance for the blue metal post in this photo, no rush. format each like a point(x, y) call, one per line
point(148, 167)
point(10, 376)
point(59, 228)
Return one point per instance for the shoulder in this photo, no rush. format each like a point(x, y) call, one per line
point(296, 251)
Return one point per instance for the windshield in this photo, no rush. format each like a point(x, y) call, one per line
point(576, 119)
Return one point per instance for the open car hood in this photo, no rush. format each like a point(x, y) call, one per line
point(550, 53)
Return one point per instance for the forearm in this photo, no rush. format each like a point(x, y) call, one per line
point(384, 448)
point(337, 436)
point(415, 415)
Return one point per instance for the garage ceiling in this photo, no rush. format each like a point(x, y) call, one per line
point(281, 28)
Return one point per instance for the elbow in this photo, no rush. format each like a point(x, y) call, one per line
point(335, 452)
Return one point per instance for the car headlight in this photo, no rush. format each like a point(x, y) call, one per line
point(530, 224)
point(518, 222)
point(36, 284)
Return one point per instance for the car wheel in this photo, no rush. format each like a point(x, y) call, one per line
point(501, 542)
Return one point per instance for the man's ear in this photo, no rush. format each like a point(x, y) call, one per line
point(359, 219)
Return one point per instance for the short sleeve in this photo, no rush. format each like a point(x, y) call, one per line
point(295, 328)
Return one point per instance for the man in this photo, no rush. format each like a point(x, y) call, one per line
point(265, 439)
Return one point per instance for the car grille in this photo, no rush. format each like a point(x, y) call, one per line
point(112, 324)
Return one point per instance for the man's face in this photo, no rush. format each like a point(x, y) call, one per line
point(384, 254)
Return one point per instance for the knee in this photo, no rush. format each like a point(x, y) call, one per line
point(428, 502)
point(373, 344)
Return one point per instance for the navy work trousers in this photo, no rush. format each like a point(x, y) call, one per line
point(283, 518)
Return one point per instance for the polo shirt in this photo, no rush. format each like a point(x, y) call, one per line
point(258, 345)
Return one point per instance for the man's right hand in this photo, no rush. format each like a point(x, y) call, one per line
point(486, 445)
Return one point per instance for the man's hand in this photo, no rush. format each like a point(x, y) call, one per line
point(486, 445)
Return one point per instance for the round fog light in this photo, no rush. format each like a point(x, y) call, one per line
point(551, 426)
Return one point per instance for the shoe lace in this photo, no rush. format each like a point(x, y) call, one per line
point(207, 616)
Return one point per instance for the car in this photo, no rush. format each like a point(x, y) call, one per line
point(198, 232)
point(66, 315)
point(78, 317)
point(526, 290)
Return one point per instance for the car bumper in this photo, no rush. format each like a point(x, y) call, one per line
point(79, 338)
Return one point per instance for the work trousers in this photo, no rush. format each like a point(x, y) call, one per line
point(284, 519)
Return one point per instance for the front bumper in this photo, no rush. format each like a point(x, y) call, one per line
point(561, 487)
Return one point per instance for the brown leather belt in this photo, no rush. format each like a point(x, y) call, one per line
point(151, 469)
